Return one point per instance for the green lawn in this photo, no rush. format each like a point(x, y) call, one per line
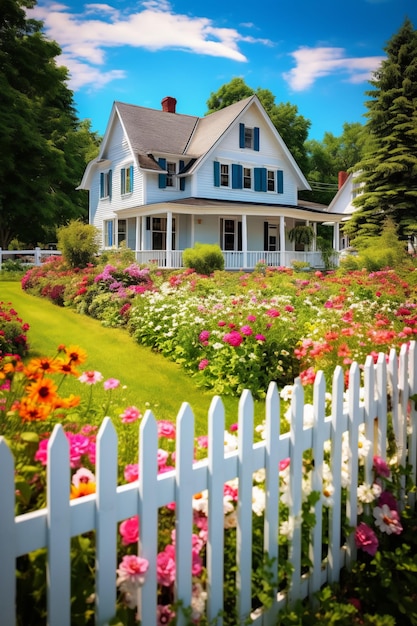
point(151, 380)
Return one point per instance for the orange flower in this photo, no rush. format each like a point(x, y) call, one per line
point(67, 403)
point(41, 365)
point(76, 355)
point(82, 489)
point(42, 391)
point(31, 412)
point(66, 368)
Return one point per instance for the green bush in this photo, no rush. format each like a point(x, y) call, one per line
point(78, 243)
point(204, 258)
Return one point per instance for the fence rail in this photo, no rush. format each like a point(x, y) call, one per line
point(27, 257)
point(53, 527)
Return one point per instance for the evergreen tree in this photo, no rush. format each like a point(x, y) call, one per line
point(389, 168)
point(41, 155)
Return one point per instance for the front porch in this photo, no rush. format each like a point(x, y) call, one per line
point(237, 260)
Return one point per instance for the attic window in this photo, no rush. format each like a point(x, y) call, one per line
point(248, 137)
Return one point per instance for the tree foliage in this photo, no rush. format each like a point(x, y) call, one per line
point(292, 127)
point(78, 243)
point(389, 167)
point(42, 144)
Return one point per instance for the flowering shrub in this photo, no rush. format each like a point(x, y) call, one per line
point(13, 338)
point(237, 331)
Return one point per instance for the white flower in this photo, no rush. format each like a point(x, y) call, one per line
point(230, 520)
point(387, 520)
point(286, 529)
point(287, 393)
point(230, 442)
point(308, 415)
point(198, 601)
point(327, 494)
point(365, 493)
point(258, 500)
point(200, 502)
point(259, 476)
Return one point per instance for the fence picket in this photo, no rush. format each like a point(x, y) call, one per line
point(381, 393)
point(59, 530)
point(244, 509)
point(106, 513)
point(319, 406)
point(184, 513)
point(296, 485)
point(412, 438)
point(7, 536)
point(335, 513)
point(369, 413)
point(353, 463)
point(215, 543)
point(148, 514)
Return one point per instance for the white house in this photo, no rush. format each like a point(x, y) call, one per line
point(163, 181)
point(342, 203)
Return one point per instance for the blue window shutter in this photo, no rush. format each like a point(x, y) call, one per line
point(122, 181)
point(280, 181)
point(241, 135)
point(110, 183)
point(237, 177)
point(216, 172)
point(131, 178)
point(256, 139)
point(162, 178)
point(259, 178)
point(110, 233)
point(182, 180)
point(101, 185)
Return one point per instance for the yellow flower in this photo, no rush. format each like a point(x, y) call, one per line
point(76, 355)
point(42, 391)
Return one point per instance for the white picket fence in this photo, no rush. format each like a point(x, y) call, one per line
point(27, 257)
point(54, 526)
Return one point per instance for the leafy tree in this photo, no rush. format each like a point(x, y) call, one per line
point(292, 127)
point(328, 157)
point(42, 144)
point(389, 167)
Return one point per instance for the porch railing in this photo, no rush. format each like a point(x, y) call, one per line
point(235, 260)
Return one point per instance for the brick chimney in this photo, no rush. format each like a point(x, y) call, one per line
point(169, 104)
point(342, 178)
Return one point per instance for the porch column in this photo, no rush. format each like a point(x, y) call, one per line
point(315, 237)
point(281, 240)
point(143, 232)
point(137, 231)
point(169, 239)
point(244, 242)
point(336, 236)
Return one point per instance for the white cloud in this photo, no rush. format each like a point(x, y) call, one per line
point(314, 63)
point(85, 37)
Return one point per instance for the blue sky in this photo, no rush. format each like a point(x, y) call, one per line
point(315, 54)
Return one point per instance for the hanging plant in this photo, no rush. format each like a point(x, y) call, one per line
point(301, 235)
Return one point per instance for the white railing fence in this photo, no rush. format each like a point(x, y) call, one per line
point(27, 257)
point(53, 527)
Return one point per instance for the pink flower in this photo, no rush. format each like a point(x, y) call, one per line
point(204, 335)
point(132, 569)
point(387, 520)
point(284, 464)
point(272, 313)
point(202, 441)
point(246, 330)
point(234, 427)
point(234, 338)
point(130, 415)
point(129, 530)
point(83, 475)
point(166, 429)
point(366, 539)
point(165, 566)
point(260, 337)
point(90, 377)
point(387, 497)
point(162, 457)
point(111, 383)
point(131, 472)
point(221, 323)
point(203, 364)
point(381, 467)
point(251, 318)
point(164, 615)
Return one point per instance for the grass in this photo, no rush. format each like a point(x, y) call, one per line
point(150, 380)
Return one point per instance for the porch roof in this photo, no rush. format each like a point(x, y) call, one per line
point(311, 211)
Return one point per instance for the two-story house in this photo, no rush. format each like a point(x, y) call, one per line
point(163, 181)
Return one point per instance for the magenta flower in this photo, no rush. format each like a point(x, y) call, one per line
point(234, 338)
point(165, 566)
point(164, 615)
point(246, 330)
point(130, 415)
point(131, 472)
point(203, 364)
point(366, 539)
point(284, 464)
point(204, 335)
point(90, 377)
point(111, 383)
point(162, 457)
point(221, 323)
point(202, 441)
point(260, 337)
point(388, 498)
point(129, 530)
point(132, 570)
point(272, 313)
point(381, 467)
point(251, 318)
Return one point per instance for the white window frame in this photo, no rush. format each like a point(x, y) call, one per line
point(271, 182)
point(105, 192)
point(224, 175)
point(126, 185)
point(247, 178)
point(171, 180)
